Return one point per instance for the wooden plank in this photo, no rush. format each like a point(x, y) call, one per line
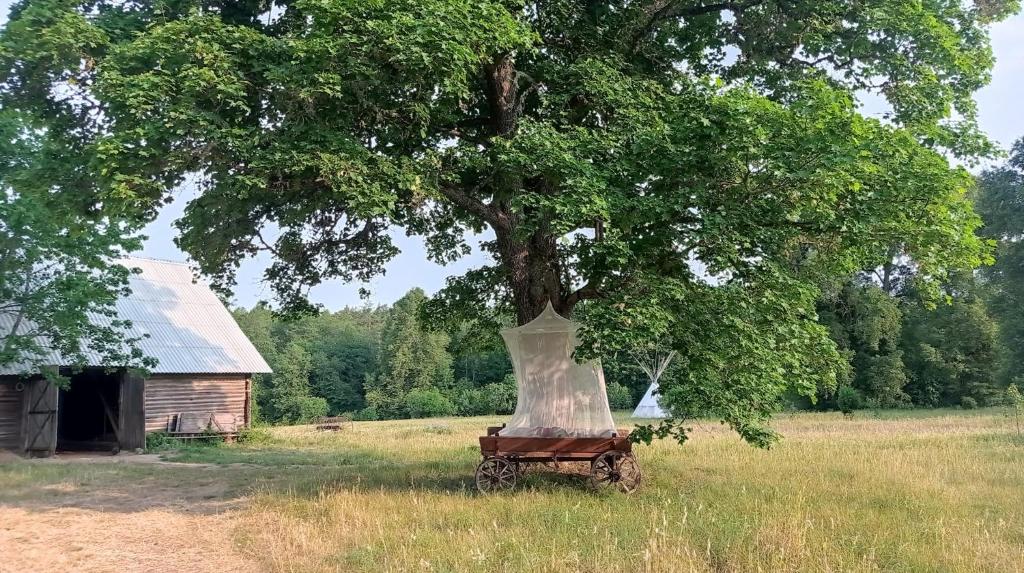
point(248, 401)
point(551, 447)
point(11, 413)
point(204, 422)
point(40, 418)
point(132, 413)
point(167, 395)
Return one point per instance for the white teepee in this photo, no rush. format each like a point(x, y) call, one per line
point(648, 406)
point(654, 365)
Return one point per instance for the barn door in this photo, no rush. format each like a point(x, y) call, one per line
point(132, 412)
point(40, 418)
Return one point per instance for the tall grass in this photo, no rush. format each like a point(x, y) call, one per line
point(942, 491)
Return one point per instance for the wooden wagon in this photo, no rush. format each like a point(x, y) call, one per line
point(612, 464)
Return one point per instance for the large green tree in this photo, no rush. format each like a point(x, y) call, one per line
point(257, 323)
point(410, 358)
point(604, 146)
point(950, 350)
point(324, 356)
point(344, 346)
point(866, 322)
point(1001, 202)
point(59, 276)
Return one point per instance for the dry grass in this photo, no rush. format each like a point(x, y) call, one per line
point(935, 491)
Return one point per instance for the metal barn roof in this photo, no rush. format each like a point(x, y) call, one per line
point(189, 330)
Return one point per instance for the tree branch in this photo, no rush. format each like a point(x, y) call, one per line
point(662, 10)
point(589, 291)
point(464, 200)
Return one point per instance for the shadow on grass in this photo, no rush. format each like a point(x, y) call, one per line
point(216, 478)
point(309, 472)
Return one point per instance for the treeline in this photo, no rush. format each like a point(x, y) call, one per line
point(381, 363)
point(905, 349)
point(906, 346)
point(964, 347)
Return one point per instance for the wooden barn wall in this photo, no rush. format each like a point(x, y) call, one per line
point(167, 395)
point(132, 418)
point(11, 412)
point(39, 410)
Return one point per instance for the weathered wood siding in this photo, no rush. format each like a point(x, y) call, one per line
point(39, 408)
point(167, 395)
point(11, 412)
point(132, 419)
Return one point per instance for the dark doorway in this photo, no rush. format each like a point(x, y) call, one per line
point(89, 411)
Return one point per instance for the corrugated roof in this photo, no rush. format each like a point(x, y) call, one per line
point(189, 330)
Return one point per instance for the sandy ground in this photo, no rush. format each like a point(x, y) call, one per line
point(145, 526)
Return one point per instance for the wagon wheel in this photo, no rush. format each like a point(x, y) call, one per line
point(615, 469)
point(495, 474)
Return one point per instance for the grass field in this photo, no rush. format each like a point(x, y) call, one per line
point(889, 491)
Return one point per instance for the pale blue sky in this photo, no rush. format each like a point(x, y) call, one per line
point(1001, 117)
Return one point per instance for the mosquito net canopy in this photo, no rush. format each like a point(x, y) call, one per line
point(557, 396)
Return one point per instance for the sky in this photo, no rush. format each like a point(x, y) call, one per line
point(1000, 115)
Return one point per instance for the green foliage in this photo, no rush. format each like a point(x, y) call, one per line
point(1015, 402)
point(865, 322)
point(428, 403)
point(410, 358)
point(257, 324)
point(501, 397)
point(479, 368)
point(343, 347)
point(883, 378)
point(367, 414)
point(619, 397)
point(903, 349)
point(255, 435)
point(1000, 201)
point(57, 261)
point(604, 144)
point(951, 350)
point(334, 352)
point(968, 403)
point(288, 398)
point(1014, 398)
point(470, 401)
point(849, 400)
point(159, 441)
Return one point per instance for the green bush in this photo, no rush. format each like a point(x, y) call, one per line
point(157, 441)
point(367, 414)
point(470, 402)
point(619, 397)
point(501, 396)
point(254, 436)
point(968, 403)
point(301, 409)
point(428, 403)
point(849, 399)
point(311, 408)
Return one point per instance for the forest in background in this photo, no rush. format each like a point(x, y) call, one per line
point(903, 348)
point(383, 363)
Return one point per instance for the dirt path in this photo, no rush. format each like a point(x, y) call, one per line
point(144, 522)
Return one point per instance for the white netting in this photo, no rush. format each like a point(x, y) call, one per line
point(557, 396)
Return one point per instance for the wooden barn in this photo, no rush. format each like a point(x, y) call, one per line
point(203, 378)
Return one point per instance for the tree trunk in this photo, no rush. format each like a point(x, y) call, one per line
point(530, 262)
point(532, 271)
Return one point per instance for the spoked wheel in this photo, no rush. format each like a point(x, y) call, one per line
point(496, 474)
point(615, 470)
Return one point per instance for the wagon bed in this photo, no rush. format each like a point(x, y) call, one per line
point(565, 449)
point(612, 463)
